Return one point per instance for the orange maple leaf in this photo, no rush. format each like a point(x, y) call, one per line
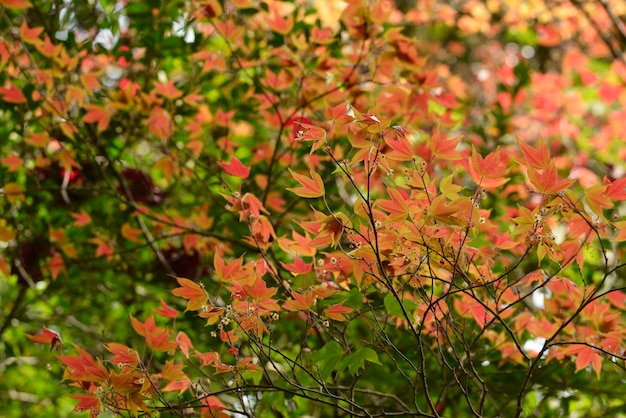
point(166, 311)
point(444, 148)
point(310, 187)
point(488, 172)
point(546, 180)
point(259, 291)
point(337, 312)
point(97, 114)
point(299, 302)
point(15, 4)
point(193, 292)
point(122, 355)
point(156, 337)
point(167, 90)
point(235, 168)
point(30, 35)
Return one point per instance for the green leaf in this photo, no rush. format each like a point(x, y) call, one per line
point(393, 307)
point(356, 361)
point(327, 359)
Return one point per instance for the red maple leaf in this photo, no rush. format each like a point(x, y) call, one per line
point(46, 336)
point(547, 181)
point(235, 168)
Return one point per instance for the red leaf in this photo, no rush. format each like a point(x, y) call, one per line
point(587, 355)
point(167, 311)
point(46, 336)
point(12, 94)
point(83, 367)
point(82, 218)
point(536, 158)
point(617, 189)
point(86, 402)
point(13, 162)
point(184, 343)
point(298, 267)
point(235, 168)
point(15, 4)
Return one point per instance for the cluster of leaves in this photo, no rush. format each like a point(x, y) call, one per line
point(331, 195)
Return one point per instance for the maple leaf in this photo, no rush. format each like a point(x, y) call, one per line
point(56, 264)
point(16, 4)
point(86, 402)
point(167, 90)
point(397, 207)
point(338, 311)
point(46, 336)
point(132, 234)
point(13, 162)
point(173, 371)
point(81, 219)
point(330, 230)
point(596, 198)
point(98, 114)
point(184, 343)
point(160, 123)
point(30, 35)
point(616, 190)
point(38, 140)
point(13, 192)
point(299, 302)
point(122, 355)
point(279, 23)
point(448, 189)
point(444, 148)
point(177, 385)
point(298, 267)
point(12, 94)
point(83, 367)
point(195, 294)
point(103, 247)
point(166, 311)
point(586, 355)
point(535, 158)
point(488, 172)
point(259, 290)
point(546, 180)
point(310, 187)
point(235, 168)
point(156, 337)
